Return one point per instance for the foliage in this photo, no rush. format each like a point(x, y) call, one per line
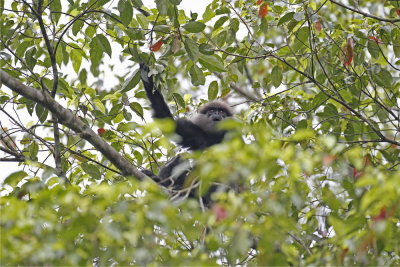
point(314, 150)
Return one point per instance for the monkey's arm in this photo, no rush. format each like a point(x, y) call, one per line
point(192, 136)
point(161, 109)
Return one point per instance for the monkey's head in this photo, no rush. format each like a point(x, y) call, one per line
point(212, 113)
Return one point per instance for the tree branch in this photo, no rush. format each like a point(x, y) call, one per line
point(364, 13)
point(51, 52)
point(68, 119)
point(11, 152)
point(12, 159)
point(343, 103)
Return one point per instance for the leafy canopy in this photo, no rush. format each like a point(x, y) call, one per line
point(314, 150)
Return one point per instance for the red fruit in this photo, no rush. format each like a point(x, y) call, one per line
point(101, 131)
point(259, 2)
point(220, 212)
point(157, 46)
point(398, 12)
point(263, 10)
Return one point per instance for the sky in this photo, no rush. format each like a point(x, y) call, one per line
point(6, 168)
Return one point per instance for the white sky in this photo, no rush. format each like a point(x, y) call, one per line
point(6, 168)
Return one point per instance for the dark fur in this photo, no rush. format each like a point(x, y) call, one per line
point(198, 133)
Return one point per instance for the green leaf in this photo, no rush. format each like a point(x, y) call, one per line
point(303, 134)
point(212, 62)
point(137, 3)
point(127, 115)
point(90, 31)
point(206, 49)
point(339, 226)
point(76, 58)
point(14, 178)
point(396, 49)
point(234, 24)
point(83, 76)
point(383, 78)
point(125, 11)
point(92, 170)
point(287, 17)
point(349, 132)
point(134, 34)
point(330, 110)
point(194, 26)
point(264, 26)
point(276, 76)
point(137, 108)
point(330, 198)
point(301, 40)
point(208, 14)
point(213, 90)
point(318, 100)
point(30, 57)
point(131, 82)
point(41, 113)
point(178, 98)
point(197, 76)
point(162, 6)
point(33, 150)
point(126, 127)
point(56, 9)
point(175, 2)
point(20, 50)
point(97, 3)
point(95, 52)
point(99, 105)
point(103, 43)
point(221, 38)
point(143, 21)
point(77, 27)
point(192, 49)
point(220, 22)
point(373, 48)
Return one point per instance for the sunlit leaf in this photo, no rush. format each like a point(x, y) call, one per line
point(194, 26)
point(212, 62)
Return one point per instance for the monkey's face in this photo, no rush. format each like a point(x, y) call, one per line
point(216, 115)
point(209, 119)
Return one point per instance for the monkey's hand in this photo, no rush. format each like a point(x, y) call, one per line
point(144, 75)
point(158, 104)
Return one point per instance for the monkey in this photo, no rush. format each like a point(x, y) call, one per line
point(198, 133)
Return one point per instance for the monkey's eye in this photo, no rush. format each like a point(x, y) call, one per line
point(211, 112)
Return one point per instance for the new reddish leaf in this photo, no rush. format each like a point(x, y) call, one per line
point(157, 45)
point(101, 131)
point(263, 11)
